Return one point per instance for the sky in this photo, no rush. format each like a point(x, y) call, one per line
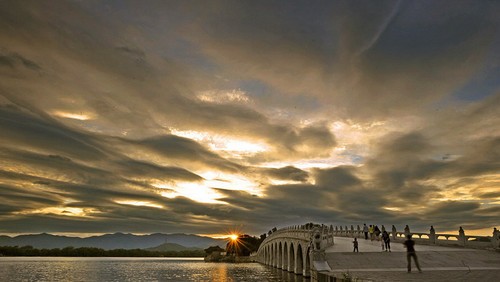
point(207, 116)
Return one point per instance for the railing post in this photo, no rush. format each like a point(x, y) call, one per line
point(495, 239)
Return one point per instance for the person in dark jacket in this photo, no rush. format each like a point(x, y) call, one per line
point(410, 252)
point(387, 241)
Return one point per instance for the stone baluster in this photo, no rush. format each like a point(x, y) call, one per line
point(394, 233)
point(495, 239)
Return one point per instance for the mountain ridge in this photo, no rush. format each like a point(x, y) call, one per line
point(111, 241)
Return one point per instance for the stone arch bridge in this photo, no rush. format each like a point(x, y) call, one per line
point(295, 248)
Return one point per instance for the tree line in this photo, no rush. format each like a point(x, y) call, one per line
point(93, 252)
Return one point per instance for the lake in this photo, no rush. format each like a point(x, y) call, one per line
point(135, 269)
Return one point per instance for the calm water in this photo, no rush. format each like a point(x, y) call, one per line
point(135, 269)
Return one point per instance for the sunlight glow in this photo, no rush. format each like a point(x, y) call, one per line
point(80, 116)
point(233, 146)
point(192, 190)
point(221, 96)
point(233, 237)
point(205, 191)
point(65, 211)
point(230, 182)
point(392, 208)
point(139, 204)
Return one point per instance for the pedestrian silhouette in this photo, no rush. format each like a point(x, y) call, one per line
point(410, 252)
point(365, 230)
point(386, 241)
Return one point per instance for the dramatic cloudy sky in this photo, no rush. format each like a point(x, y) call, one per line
point(206, 116)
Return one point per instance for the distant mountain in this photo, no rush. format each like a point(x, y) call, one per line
point(172, 247)
point(111, 241)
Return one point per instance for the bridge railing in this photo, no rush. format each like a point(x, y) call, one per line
point(431, 238)
point(301, 231)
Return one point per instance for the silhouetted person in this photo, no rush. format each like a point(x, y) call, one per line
point(355, 243)
point(365, 230)
point(410, 252)
point(376, 230)
point(407, 230)
point(387, 241)
point(371, 229)
point(461, 231)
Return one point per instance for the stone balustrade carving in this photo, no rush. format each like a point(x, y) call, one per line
point(432, 238)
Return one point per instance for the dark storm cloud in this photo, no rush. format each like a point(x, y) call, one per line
point(14, 60)
point(490, 195)
point(322, 45)
point(149, 170)
point(448, 208)
point(338, 178)
point(287, 173)
point(283, 205)
point(54, 164)
point(175, 147)
point(32, 131)
point(27, 198)
point(491, 212)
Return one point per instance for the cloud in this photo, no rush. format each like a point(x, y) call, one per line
point(152, 171)
point(54, 137)
point(287, 173)
point(180, 148)
point(14, 60)
point(338, 178)
point(446, 209)
point(357, 111)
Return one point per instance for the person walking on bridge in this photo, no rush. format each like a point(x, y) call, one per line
point(386, 241)
point(371, 229)
point(410, 252)
point(355, 243)
point(365, 230)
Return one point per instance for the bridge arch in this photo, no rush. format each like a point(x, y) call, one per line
point(285, 257)
point(290, 248)
point(299, 260)
point(280, 255)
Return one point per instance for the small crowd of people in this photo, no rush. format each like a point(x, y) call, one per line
point(380, 234)
point(373, 232)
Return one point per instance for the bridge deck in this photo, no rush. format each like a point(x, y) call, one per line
point(438, 263)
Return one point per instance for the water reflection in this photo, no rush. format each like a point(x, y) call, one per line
point(281, 275)
point(136, 269)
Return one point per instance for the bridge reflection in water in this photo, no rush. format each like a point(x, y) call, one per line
point(284, 275)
